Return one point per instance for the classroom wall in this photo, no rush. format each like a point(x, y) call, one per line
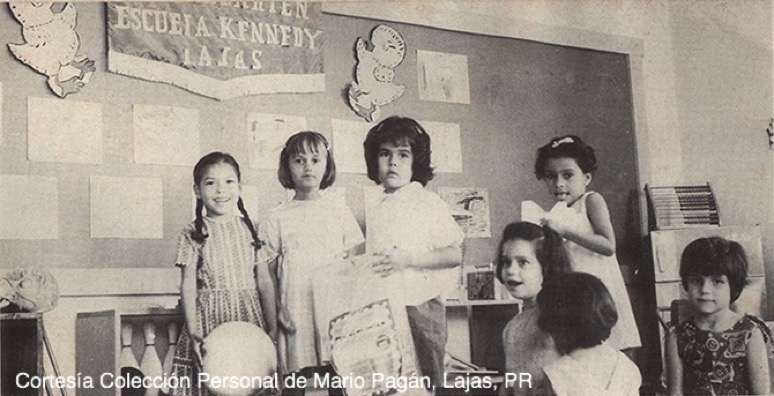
point(704, 83)
point(522, 94)
point(725, 91)
point(682, 50)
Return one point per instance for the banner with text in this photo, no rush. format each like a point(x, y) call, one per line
point(219, 49)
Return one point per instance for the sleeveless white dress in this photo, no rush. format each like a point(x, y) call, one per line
point(624, 334)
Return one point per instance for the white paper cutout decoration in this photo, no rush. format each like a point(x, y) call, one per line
point(51, 45)
point(375, 71)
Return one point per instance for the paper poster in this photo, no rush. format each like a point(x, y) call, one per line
point(443, 77)
point(267, 134)
point(166, 135)
point(446, 146)
point(64, 131)
point(366, 341)
point(220, 50)
point(29, 207)
point(249, 197)
point(126, 207)
point(348, 137)
point(470, 208)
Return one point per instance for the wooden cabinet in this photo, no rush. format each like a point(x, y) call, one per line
point(98, 344)
point(476, 328)
point(21, 354)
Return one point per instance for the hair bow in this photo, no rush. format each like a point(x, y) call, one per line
point(562, 141)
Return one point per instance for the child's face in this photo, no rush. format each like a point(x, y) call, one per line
point(307, 169)
point(522, 274)
point(219, 190)
point(395, 163)
point(709, 294)
point(565, 179)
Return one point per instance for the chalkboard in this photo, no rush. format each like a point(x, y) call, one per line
point(522, 93)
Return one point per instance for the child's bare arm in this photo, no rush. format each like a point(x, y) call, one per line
point(602, 241)
point(267, 293)
point(398, 259)
point(188, 299)
point(674, 365)
point(281, 315)
point(757, 361)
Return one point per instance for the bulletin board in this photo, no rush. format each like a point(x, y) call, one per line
point(521, 93)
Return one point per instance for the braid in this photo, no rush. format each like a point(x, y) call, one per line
point(199, 235)
point(246, 218)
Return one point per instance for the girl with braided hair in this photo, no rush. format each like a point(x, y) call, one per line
point(221, 281)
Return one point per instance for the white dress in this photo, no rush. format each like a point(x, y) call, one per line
point(306, 237)
point(595, 371)
point(624, 334)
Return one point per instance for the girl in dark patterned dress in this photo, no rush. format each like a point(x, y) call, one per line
point(717, 351)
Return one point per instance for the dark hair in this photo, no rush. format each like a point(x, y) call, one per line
point(715, 256)
point(569, 146)
point(298, 144)
point(199, 234)
point(399, 130)
point(549, 248)
point(577, 310)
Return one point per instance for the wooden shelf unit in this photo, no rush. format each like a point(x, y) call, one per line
point(21, 352)
point(98, 341)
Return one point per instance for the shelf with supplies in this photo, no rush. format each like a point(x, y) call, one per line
point(125, 343)
point(479, 286)
point(477, 312)
point(479, 303)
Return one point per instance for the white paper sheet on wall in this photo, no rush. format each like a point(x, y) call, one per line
point(249, 197)
point(64, 131)
point(446, 146)
point(166, 135)
point(1, 113)
point(267, 134)
point(348, 137)
point(443, 77)
point(126, 207)
point(29, 207)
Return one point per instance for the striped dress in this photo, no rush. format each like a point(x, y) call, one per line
point(226, 288)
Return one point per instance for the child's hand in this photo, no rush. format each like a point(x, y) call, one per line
point(198, 347)
point(365, 260)
point(557, 218)
point(555, 225)
point(283, 317)
point(392, 261)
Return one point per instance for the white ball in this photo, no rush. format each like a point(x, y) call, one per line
point(235, 353)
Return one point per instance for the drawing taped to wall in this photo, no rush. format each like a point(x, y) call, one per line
point(375, 72)
point(267, 134)
point(443, 77)
point(51, 45)
point(470, 208)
